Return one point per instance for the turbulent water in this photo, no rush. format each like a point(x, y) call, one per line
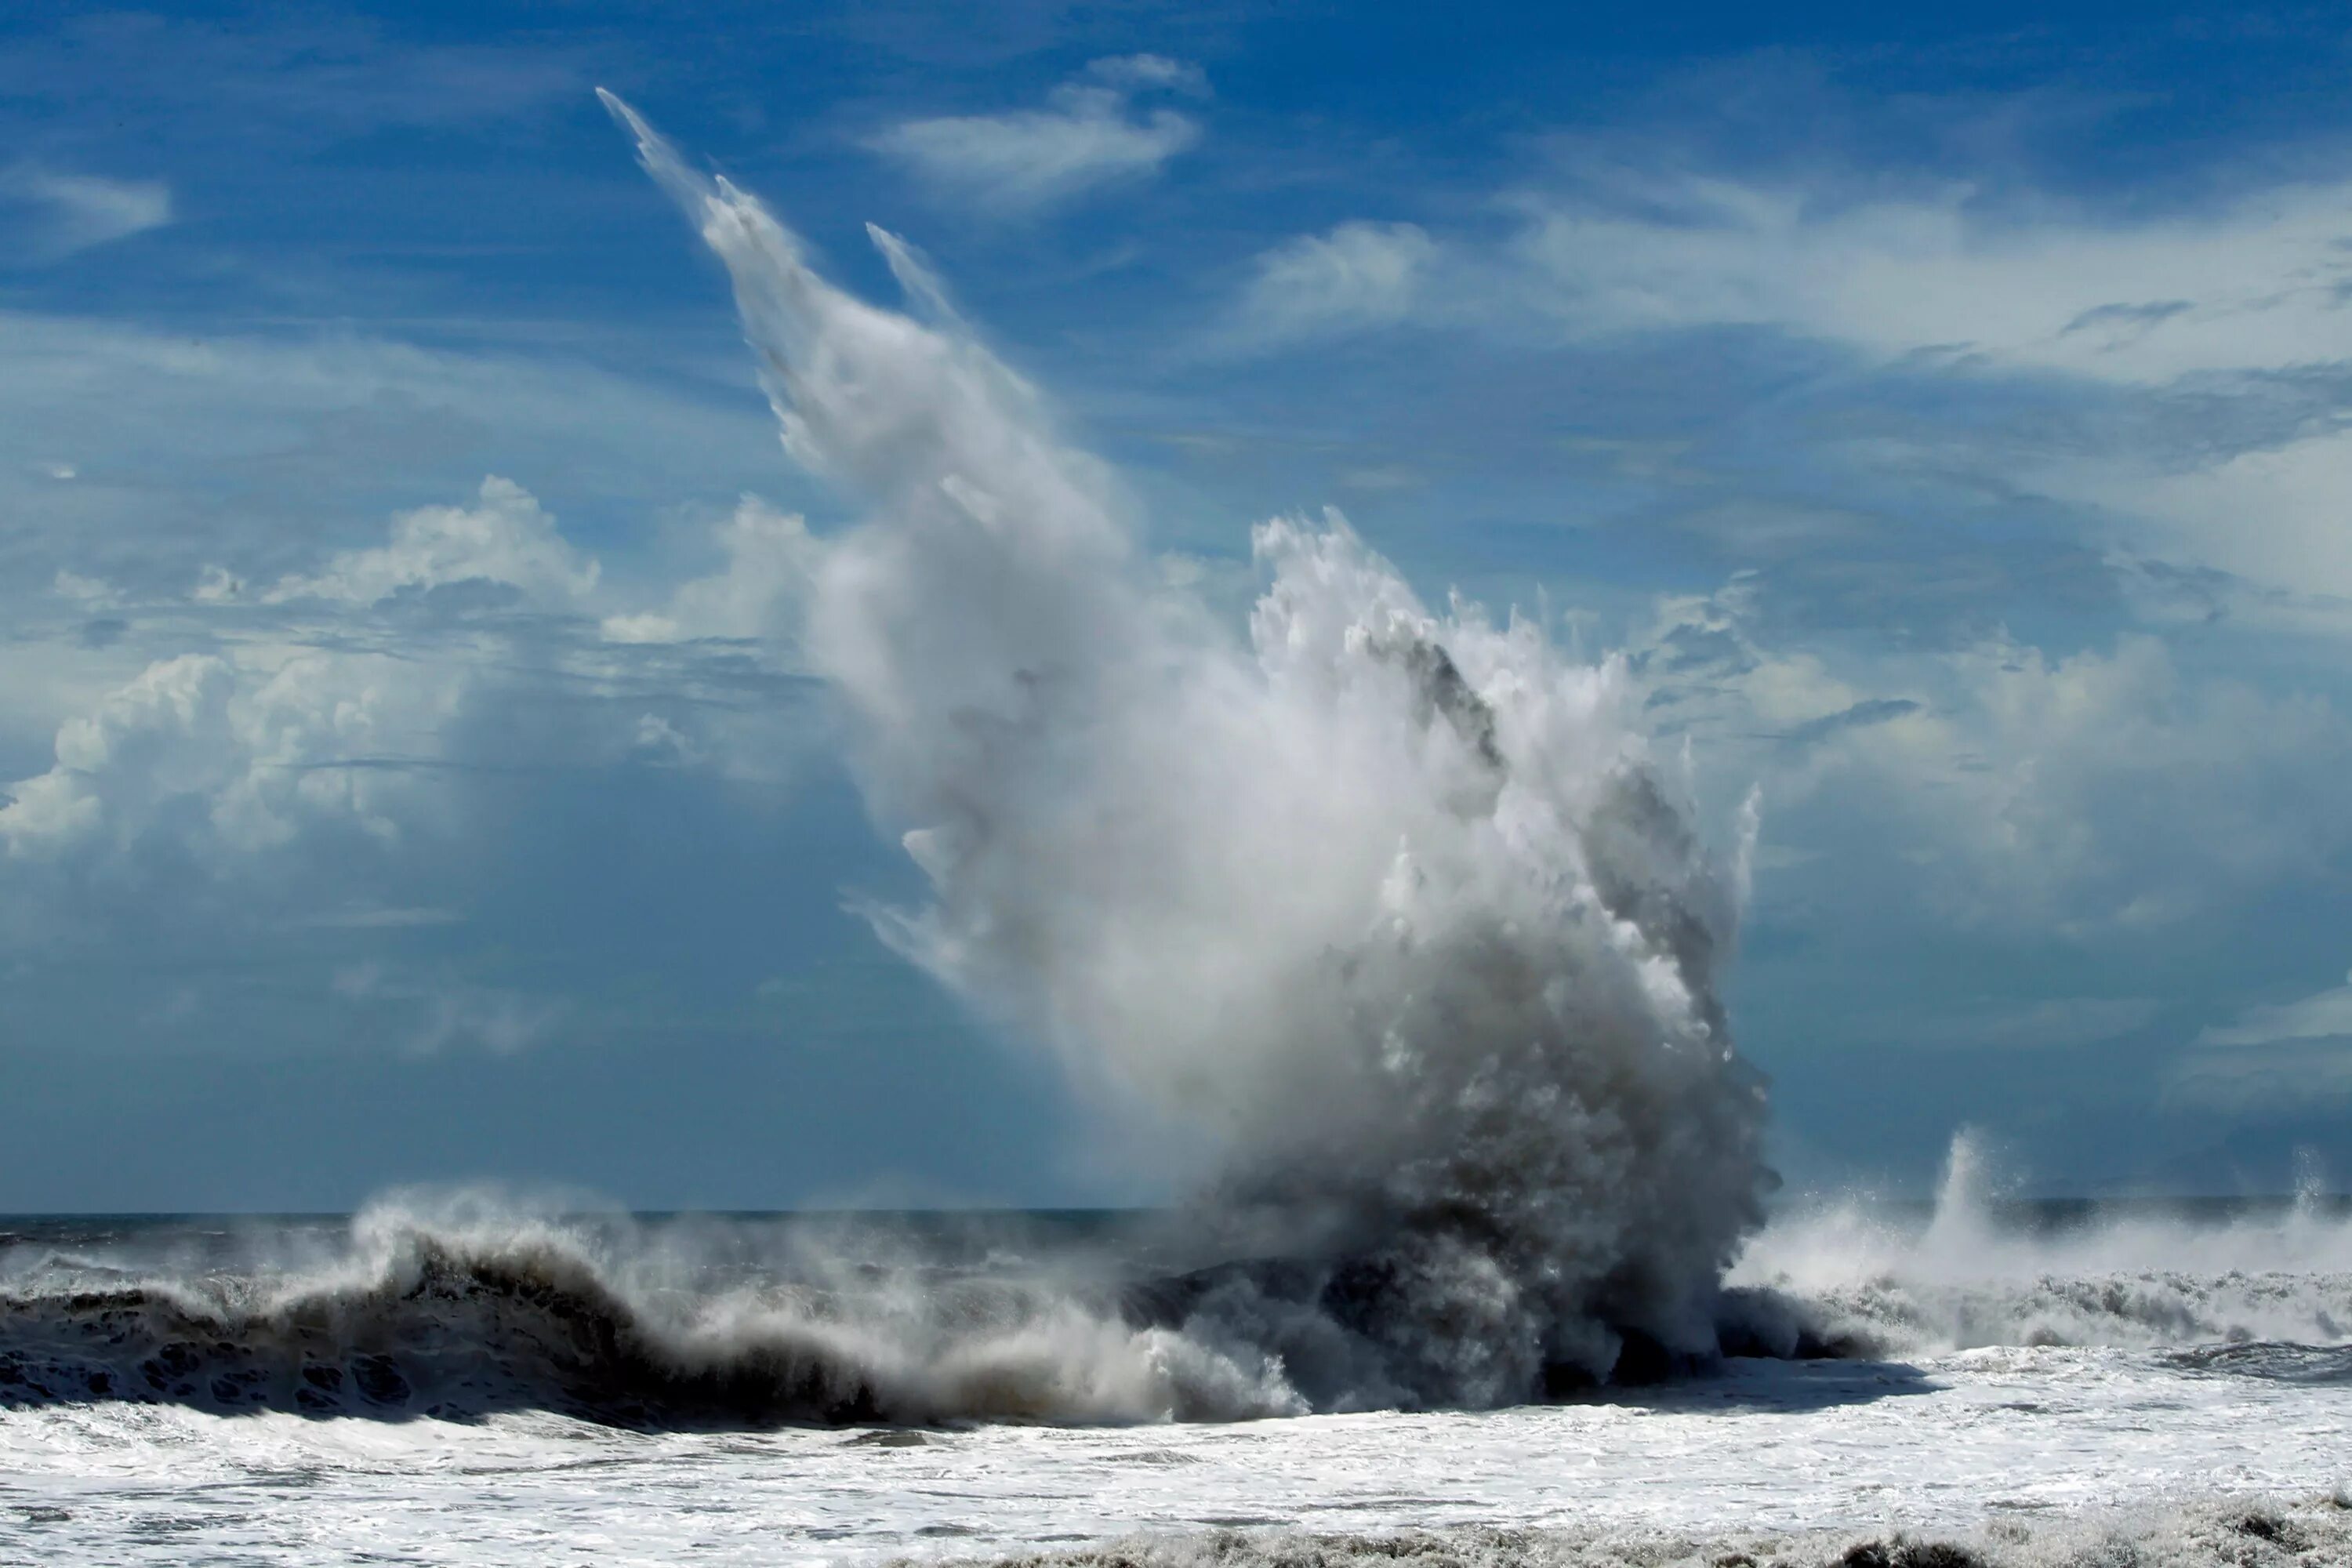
point(460, 1382)
point(1389, 929)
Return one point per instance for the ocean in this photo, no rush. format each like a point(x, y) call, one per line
point(463, 1380)
point(1405, 921)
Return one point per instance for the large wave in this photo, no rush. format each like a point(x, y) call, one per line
point(461, 1308)
point(466, 1306)
point(1395, 909)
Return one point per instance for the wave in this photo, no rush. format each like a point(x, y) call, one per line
point(1963, 1279)
point(2251, 1533)
point(458, 1317)
point(1393, 912)
point(464, 1308)
point(461, 1307)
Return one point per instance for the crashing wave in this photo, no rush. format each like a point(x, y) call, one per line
point(2119, 1278)
point(1394, 910)
point(456, 1319)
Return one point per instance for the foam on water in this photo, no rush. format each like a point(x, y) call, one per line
point(1879, 1284)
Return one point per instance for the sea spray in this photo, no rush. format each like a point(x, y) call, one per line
point(1973, 1272)
point(1394, 907)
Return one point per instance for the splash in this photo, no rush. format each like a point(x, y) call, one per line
point(1395, 909)
point(1970, 1275)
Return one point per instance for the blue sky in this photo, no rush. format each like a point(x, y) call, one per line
point(410, 776)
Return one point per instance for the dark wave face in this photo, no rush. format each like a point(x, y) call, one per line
point(407, 1315)
point(465, 1307)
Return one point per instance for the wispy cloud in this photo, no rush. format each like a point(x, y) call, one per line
point(63, 215)
point(2323, 1015)
point(2029, 282)
point(1359, 275)
point(1090, 134)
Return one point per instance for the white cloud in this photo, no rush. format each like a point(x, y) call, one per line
point(2255, 284)
point(1358, 275)
point(74, 212)
point(89, 592)
point(1088, 135)
point(1151, 71)
point(249, 748)
point(2279, 518)
point(507, 539)
point(2034, 283)
point(319, 703)
point(768, 558)
point(2005, 787)
point(2295, 1053)
point(239, 750)
point(315, 437)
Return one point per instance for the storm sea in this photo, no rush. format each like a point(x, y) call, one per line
point(459, 1380)
point(1393, 938)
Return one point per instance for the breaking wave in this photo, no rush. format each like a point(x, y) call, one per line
point(2275, 1281)
point(465, 1312)
point(466, 1306)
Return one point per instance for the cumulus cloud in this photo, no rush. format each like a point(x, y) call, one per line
point(508, 539)
point(239, 752)
point(1089, 134)
point(768, 556)
point(318, 702)
point(63, 215)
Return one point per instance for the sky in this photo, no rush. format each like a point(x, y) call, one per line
point(407, 774)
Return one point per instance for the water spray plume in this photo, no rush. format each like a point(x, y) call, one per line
point(1394, 907)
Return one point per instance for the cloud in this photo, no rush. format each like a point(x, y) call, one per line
point(1089, 135)
point(768, 558)
point(2296, 1053)
point(316, 439)
point(239, 754)
point(2000, 785)
point(1359, 275)
point(68, 214)
point(2278, 518)
point(1146, 71)
point(508, 539)
point(356, 697)
point(2027, 282)
point(2326, 1015)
